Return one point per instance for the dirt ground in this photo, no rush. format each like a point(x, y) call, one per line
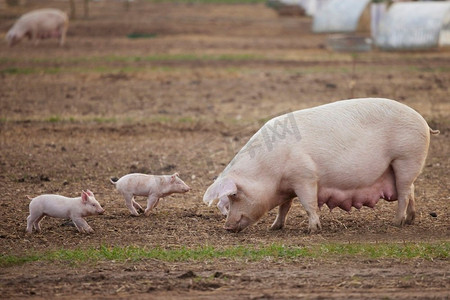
point(186, 99)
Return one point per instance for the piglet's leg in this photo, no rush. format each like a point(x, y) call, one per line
point(137, 206)
point(37, 223)
point(283, 210)
point(82, 225)
point(152, 201)
point(129, 202)
point(31, 219)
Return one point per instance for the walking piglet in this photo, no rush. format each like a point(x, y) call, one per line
point(154, 187)
point(63, 207)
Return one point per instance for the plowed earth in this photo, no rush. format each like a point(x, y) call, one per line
point(185, 99)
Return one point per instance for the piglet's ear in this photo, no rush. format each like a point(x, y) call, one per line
point(89, 193)
point(219, 189)
point(84, 197)
point(173, 177)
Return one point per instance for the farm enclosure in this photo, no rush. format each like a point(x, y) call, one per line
point(185, 99)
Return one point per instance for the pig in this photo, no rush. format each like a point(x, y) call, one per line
point(349, 153)
point(39, 24)
point(154, 187)
point(63, 207)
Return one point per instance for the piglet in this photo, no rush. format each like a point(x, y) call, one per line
point(63, 207)
point(154, 187)
point(39, 24)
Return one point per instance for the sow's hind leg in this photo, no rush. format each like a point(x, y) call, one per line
point(410, 210)
point(406, 171)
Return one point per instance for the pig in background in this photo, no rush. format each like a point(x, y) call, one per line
point(343, 154)
point(39, 24)
point(63, 207)
point(154, 187)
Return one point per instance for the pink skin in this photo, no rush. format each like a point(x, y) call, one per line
point(39, 24)
point(351, 154)
point(154, 187)
point(62, 207)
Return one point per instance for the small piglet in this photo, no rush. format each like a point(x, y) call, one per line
point(39, 24)
point(63, 207)
point(152, 186)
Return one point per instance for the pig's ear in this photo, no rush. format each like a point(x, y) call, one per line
point(220, 188)
point(224, 205)
point(173, 177)
point(84, 197)
point(89, 193)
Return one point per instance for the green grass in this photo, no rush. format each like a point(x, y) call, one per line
point(53, 119)
point(124, 69)
point(429, 251)
point(127, 58)
point(95, 64)
point(101, 120)
point(16, 71)
point(153, 69)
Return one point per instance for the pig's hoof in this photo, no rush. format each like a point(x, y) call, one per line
point(314, 228)
point(277, 227)
point(410, 218)
point(134, 214)
point(399, 222)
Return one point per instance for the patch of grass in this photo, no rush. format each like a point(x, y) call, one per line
point(53, 119)
point(429, 251)
point(127, 58)
point(182, 57)
point(141, 35)
point(101, 120)
point(186, 120)
point(15, 71)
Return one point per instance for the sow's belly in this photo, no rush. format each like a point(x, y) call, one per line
point(382, 188)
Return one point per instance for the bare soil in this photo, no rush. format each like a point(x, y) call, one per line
point(84, 114)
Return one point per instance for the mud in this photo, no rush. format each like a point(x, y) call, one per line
point(186, 99)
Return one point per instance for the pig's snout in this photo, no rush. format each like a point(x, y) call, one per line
point(238, 226)
point(101, 211)
point(234, 229)
point(186, 189)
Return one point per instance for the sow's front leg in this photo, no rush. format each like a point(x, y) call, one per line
point(283, 210)
point(307, 194)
